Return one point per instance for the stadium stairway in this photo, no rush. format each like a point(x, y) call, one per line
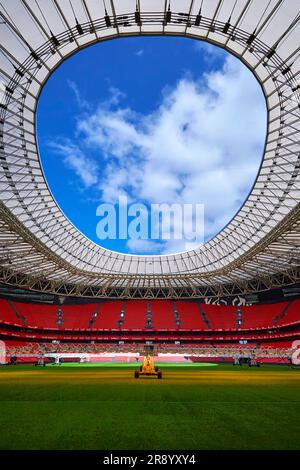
point(176, 315)
point(239, 317)
point(93, 318)
point(59, 318)
point(7, 314)
point(122, 315)
point(278, 319)
point(19, 316)
point(149, 319)
point(204, 317)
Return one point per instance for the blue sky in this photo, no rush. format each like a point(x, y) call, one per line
point(160, 120)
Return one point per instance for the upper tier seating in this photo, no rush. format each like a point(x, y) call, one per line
point(190, 316)
point(221, 317)
point(77, 317)
point(163, 317)
point(262, 316)
point(108, 316)
point(135, 315)
point(8, 314)
point(38, 315)
point(292, 313)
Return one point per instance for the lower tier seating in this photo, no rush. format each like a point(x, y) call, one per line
point(31, 351)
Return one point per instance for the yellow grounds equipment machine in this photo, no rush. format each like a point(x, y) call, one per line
point(148, 367)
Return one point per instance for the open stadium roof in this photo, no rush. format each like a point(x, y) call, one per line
point(39, 247)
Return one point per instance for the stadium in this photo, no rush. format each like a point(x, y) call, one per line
point(221, 322)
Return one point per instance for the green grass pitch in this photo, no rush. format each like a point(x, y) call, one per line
point(192, 407)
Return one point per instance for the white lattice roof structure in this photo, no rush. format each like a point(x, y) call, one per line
point(39, 247)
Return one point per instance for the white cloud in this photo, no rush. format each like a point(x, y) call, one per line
point(111, 131)
point(115, 97)
point(210, 52)
point(85, 168)
point(159, 247)
point(81, 102)
point(202, 145)
point(144, 246)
